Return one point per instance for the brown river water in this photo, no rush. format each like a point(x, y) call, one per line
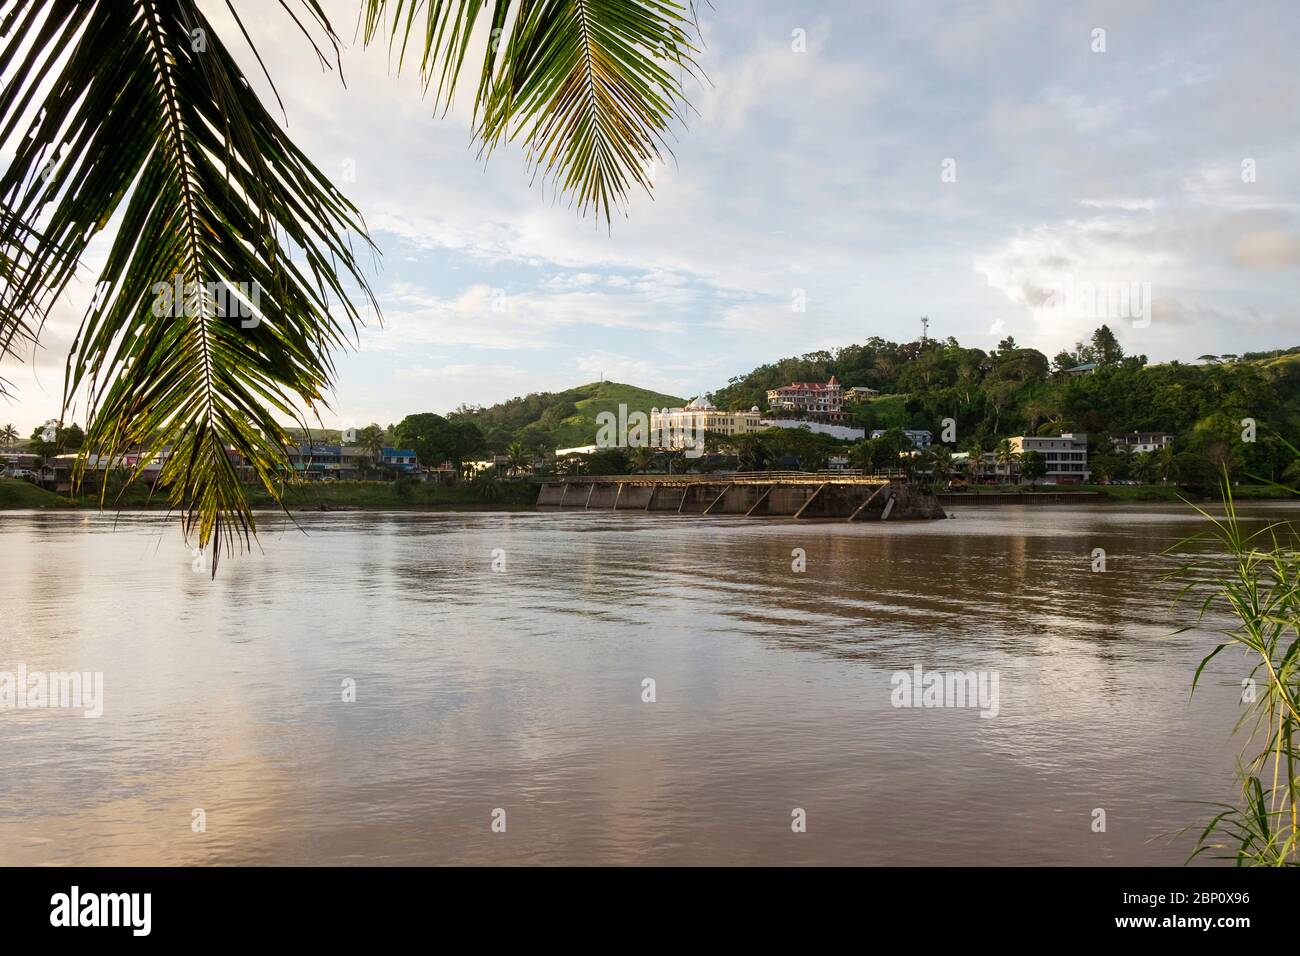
point(498, 663)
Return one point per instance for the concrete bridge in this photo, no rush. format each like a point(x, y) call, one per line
point(755, 494)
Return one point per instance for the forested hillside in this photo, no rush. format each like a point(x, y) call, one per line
point(544, 421)
point(1015, 391)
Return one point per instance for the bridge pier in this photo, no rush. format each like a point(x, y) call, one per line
point(791, 495)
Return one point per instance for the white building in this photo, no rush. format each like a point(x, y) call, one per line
point(1142, 441)
point(919, 437)
point(1067, 455)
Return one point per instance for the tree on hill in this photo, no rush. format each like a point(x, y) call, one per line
point(1105, 350)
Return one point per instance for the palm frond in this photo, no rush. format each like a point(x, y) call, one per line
point(19, 320)
point(212, 314)
point(589, 86)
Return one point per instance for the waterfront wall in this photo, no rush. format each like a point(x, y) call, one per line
point(804, 498)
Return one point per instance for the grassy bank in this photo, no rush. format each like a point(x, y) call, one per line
point(307, 496)
point(23, 494)
point(1140, 493)
point(512, 495)
point(404, 496)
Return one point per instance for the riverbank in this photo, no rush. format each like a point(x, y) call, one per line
point(515, 495)
point(1049, 494)
point(307, 496)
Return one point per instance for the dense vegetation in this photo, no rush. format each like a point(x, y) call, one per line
point(543, 421)
point(1016, 391)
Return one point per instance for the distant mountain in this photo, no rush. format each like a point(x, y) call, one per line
point(544, 421)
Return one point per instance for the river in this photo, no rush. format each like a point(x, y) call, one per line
point(472, 688)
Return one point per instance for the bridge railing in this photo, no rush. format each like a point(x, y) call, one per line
point(848, 475)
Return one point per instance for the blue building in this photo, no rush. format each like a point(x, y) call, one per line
point(403, 459)
point(344, 461)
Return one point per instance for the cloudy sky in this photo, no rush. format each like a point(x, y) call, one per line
point(875, 161)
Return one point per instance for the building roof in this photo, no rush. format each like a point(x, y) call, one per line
point(808, 386)
point(1083, 367)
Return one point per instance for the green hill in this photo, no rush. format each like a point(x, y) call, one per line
point(1017, 391)
point(544, 421)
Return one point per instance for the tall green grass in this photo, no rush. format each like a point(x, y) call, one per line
point(1260, 587)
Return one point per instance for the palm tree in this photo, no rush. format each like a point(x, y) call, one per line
point(940, 462)
point(641, 458)
point(976, 451)
point(1006, 456)
point(517, 459)
point(8, 435)
point(1144, 466)
point(371, 438)
point(1167, 464)
point(233, 266)
point(488, 486)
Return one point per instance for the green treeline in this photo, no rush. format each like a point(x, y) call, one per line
point(1018, 391)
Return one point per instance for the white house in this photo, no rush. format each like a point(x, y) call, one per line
point(919, 437)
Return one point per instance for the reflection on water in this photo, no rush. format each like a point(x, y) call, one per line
point(521, 689)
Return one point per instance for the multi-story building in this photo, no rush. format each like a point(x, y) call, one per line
point(679, 427)
point(815, 399)
point(1142, 441)
point(919, 437)
point(1066, 455)
point(343, 461)
point(316, 460)
point(403, 459)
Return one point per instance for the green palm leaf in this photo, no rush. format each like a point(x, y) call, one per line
point(19, 320)
point(132, 112)
point(590, 86)
point(149, 118)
